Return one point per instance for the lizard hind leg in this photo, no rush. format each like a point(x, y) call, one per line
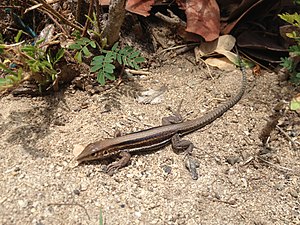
point(182, 145)
point(175, 117)
point(187, 146)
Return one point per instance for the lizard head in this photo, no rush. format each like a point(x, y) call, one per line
point(93, 151)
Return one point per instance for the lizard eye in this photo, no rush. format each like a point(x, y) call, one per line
point(105, 152)
point(94, 154)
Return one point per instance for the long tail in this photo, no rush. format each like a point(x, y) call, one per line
point(212, 115)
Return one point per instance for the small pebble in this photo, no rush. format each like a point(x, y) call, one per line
point(167, 169)
point(22, 203)
point(76, 192)
point(232, 159)
point(138, 214)
point(279, 187)
point(294, 193)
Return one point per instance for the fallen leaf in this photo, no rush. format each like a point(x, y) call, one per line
point(152, 96)
point(141, 7)
point(295, 103)
point(77, 149)
point(223, 46)
point(223, 43)
point(203, 17)
point(221, 63)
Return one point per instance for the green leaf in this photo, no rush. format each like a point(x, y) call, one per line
point(119, 59)
point(134, 54)
point(86, 52)
point(295, 49)
point(3, 81)
point(96, 68)
point(287, 63)
point(124, 59)
point(115, 46)
point(139, 59)
point(109, 68)
point(28, 48)
point(293, 19)
point(113, 55)
point(109, 57)
point(130, 63)
point(38, 42)
point(7, 70)
point(122, 51)
point(19, 34)
point(135, 65)
point(97, 60)
point(60, 53)
point(80, 42)
point(101, 217)
point(20, 71)
point(93, 44)
point(85, 40)
point(78, 57)
point(295, 105)
point(1, 49)
point(100, 78)
point(110, 76)
point(12, 78)
point(75, 46)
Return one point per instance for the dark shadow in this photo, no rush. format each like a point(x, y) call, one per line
point(37, 123)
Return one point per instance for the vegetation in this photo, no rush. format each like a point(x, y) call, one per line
point(103, 65)
point(291, 63)
point(32, 59)
point(26, 61)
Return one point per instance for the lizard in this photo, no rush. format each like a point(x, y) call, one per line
point(156, 137)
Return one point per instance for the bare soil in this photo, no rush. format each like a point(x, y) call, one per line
point(39, 184)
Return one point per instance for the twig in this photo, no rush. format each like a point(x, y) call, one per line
point(60, 204)
point(272, 164)
point(57, 23)
point(48, 8)
point(208, 69)
point(98, 14)
point(294, 145)
point(10, 6)
point(87, 22)
point(138, 72)
point(172, 19)
point(177, 47)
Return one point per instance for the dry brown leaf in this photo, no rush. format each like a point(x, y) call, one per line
point(221, 63)
point(223, 46)
point(77, 150)
point(141, 7)
point(203, 17)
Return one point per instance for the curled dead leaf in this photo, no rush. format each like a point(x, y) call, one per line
point(77, 149)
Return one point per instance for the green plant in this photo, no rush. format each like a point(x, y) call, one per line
point(11, 79)
point(291, 62)
point(40, 61)
point(100, 217)
point(104, 66)
point(81, 46)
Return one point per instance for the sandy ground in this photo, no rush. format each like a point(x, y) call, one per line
point(40, 186)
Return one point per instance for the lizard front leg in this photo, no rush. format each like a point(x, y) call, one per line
point(122, 162)
point(114, 166)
